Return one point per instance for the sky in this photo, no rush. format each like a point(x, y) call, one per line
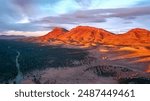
point(37, 17)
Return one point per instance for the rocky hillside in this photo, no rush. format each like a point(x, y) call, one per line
point(91, 36)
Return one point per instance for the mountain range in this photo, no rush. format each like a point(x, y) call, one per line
point(91, 36)
point(12, 37)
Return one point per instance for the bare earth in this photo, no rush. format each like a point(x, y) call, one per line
point(112, 64)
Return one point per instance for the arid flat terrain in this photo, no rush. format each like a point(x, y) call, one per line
point(108, 64)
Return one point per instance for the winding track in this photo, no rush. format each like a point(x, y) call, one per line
point(19, 76)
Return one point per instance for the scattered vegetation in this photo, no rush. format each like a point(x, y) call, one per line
point(37, 57)
point(34, 56)
point(123, 75)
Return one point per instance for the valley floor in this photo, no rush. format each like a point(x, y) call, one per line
point(107, 64)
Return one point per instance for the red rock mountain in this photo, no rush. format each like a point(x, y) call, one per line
point(135, 36)
point(91, 36)
point(54, 34)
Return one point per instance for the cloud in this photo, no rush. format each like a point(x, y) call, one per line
point(98, 15)
point(8, 12)
point(131, 12)
point(27, 33)
point(15, 10)
point(21, 27)
point(24, 5)
point(105, 4)
point(119, 18)
point(40, 15)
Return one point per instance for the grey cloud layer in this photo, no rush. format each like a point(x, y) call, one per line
point(14, 10)
point(98, 15)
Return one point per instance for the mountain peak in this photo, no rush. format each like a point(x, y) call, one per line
point(91, 36)
point(57, 31)
point(85, 27)
point(92, 31)
point(139, 32)
point(89, 28)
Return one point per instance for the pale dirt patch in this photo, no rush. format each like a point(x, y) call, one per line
point(128, 49)
point(134, 57)
point(67, 75)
